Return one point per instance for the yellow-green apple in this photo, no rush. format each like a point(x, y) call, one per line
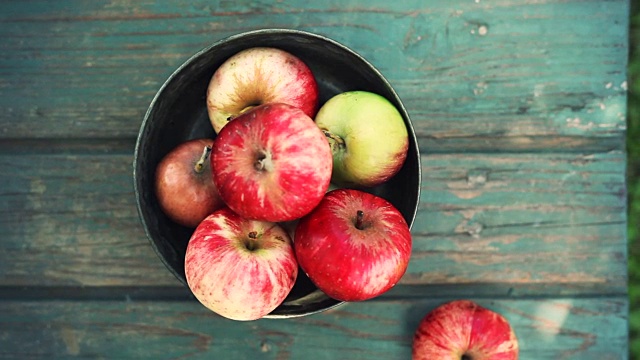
point(271, 163)
point(354, 245)
point(241, 269)
point(368, 137)
point(462, 329)
point(183, 183)
point(256, 76)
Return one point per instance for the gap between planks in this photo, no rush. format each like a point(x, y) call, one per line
point(427, 145)
point(398, 293)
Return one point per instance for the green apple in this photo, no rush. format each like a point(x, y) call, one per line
point(368, 138)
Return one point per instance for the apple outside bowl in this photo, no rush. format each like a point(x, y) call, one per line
point(178, 113)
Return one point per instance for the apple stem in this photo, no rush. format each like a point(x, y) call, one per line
point(251, 243)
point(260, 162)
point(200, 164)
point(335, 141)
point(359, 220)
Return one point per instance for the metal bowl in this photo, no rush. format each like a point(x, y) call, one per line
point(178, 113)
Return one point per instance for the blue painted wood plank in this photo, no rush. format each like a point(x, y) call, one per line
point(474, 75)
point(537, 233)
point(503, 224)
point(556, 328)
point(482, 215)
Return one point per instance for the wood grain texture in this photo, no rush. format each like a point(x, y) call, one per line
point(497, 224)
point(519, 107)
point(481, 76)
point(524, 218)
point(554, 329)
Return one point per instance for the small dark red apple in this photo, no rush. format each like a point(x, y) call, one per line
point(464, 330)
point(354, 245)
point(184, 185)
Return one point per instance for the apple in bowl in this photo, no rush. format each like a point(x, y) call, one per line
point(368, 137)
point(354, 245)
point(240, 269)
point(271, 163)
point(184, 185)
point(256, 76)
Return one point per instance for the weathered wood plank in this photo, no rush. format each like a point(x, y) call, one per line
point(521, 219)
point(71, 219)
point(499, 224)
point(592, 328)
point(538, 237)
point(483, 75)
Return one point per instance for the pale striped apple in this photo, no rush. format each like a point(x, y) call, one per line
point(271, 163)
point(257, 76)
point(241, 269)
point(464, 330)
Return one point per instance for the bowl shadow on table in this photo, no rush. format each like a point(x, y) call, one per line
point(178, 113)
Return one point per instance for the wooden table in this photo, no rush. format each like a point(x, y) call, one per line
point(519, 106)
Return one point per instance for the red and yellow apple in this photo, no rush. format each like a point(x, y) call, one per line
point(271, 163)
point(183, 183)
point(464, 330)
point(241, 269)
point(368, 137)
point(354, 245)
point(257, 76)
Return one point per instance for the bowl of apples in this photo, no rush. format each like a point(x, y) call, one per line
point(277, 174)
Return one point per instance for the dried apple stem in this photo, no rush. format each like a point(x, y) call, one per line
point(251, 243)
point(335, 141)
point(260, 162)
point(359, 220)
point(205, 155)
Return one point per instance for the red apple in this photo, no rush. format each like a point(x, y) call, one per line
point(462, 329)
point(290, 226)
point(354, 245)
point(271, 163)
point(241, 269)
point(184, 185)
point(258, 76)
